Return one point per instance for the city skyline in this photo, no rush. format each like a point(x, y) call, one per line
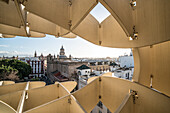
point(77, 47)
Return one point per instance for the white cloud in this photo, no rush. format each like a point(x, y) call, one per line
point(14, 53)
point(4, 52)
point(4, 46)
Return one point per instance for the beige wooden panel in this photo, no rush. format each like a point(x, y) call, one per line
point(63, 91)
point(88, 29)
point(149, 101)
point(74, 106)
point(5, 108)
point(115, 90)
point(12, 99)
point(56, 11)
point(154, 61)
point(136, 59)
point(9, 14)
point(12, 88)
point(41, 96)
point(70, 85)
point(42, 25)
point(122, 12)
point(5, 29)
point(8, 82)
point(36, 34)
point(80, 9)
point(57, 106)
point(88, 96)
point(8, 36)
point(128, 107)
point(91, 79)
point(69, 35)
point(112, 35)
point(33, 85)
point(153, 23)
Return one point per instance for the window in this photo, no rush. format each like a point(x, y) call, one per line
point(127, 75)
point(79, 73)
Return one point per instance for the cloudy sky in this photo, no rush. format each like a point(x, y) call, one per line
point(78, 47)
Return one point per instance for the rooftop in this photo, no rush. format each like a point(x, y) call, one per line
point(82, 67)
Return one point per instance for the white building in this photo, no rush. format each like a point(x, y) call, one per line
point(126, 73)
point(37, 66)
point(83, 70)
point(126, 61)
point(113, 66)
point(83, 73)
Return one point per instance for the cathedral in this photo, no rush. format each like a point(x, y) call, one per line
point(62, 66)
point(62, 55)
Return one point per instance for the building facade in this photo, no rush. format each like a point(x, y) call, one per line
point(37, 65)
point(126, 61)
point(63, 64)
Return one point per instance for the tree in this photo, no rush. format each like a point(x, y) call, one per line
point(8, 66)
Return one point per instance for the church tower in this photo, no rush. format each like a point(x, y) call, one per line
point(35, 54)
point(62, 51)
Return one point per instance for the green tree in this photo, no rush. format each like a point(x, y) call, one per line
point(7, 66)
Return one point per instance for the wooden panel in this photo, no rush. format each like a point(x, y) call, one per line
point(115, 90)
point(70, 85)
point(12, 99)
point(153, 23)
point(44, 26)
point(154, 61)
point(8, 82)
point(112, 35)
point(80, 9)
point(9, 14)
point(136, 64)
point(127, 105)
point(12, 88)
point(122, 12)
point(33, 85)
point(63, 91)
point(56, 11)
point(74, 106)
point(57, 106)
point(88, 29)
point(69, 35)
point(91, 79)
point(88, 96)
point(9, 30)
point(8, 36)
point(6, 108)
point(41, 96)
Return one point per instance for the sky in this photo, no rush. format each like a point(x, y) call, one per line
point(77, 47)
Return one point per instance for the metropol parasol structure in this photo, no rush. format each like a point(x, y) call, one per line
point(143, 25)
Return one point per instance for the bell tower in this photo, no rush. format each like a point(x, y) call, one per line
point(35, 54)
point(62, 51)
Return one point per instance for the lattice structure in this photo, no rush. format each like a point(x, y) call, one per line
point(142, 25)
point(127, 97)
